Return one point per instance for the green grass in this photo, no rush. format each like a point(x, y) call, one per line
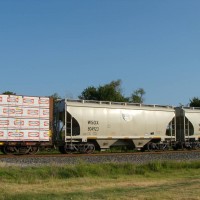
point(92, 170)
point(155, 180)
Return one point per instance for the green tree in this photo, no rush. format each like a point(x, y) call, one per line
point(112, 92)
point(90, 93)
point(9, 93)
point(195, 102)
point(108, 92)
point(138, 96)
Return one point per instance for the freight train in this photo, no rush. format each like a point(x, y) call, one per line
point(28, 124)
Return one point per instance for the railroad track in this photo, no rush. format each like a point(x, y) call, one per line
point(65, 159)
point(95, 154)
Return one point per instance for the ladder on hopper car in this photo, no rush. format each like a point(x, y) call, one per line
point(69, 127)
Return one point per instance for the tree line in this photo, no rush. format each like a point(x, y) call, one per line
point(113, 92)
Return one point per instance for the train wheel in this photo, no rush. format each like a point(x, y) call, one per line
point(9, 150)
point(195, 146)
point(89, 148)
point(175, 148)
point(24, 150)
point(61, 149)
point(70, 148)
point(165, 147)
point(178, 145)
point(33, 150)
point(187, 145)
point(150, 146)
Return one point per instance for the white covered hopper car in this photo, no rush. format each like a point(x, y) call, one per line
point(85, 125)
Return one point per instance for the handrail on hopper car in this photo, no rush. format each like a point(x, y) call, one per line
point(190, 108)
point(118, 103)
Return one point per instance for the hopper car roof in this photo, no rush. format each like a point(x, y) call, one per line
point(117, 105)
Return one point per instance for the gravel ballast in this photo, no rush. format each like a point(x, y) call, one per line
point(111, 158)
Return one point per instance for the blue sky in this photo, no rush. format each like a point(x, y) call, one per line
point(64, 46)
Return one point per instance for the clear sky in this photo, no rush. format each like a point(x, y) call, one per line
point(64, 46)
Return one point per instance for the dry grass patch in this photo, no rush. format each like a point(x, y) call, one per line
point(145, 182)
point(128, 188)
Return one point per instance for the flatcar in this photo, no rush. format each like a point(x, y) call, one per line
point(25, 123)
